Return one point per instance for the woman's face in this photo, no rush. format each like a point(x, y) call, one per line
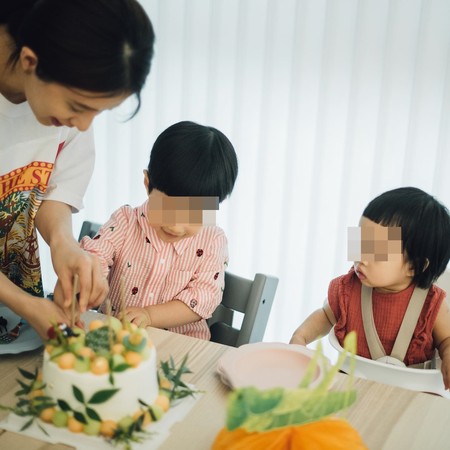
point(56, 104)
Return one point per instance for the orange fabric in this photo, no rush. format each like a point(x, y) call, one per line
point(344, 298)
point(325, 434)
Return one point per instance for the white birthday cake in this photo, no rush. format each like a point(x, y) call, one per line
point(100, 382)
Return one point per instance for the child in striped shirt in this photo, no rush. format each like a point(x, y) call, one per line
point(165, 260)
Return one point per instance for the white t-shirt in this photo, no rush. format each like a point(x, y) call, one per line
point(37, 163)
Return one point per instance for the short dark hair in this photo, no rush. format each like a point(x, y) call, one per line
point(425, 225)
point(101, 46)
point(188, 159)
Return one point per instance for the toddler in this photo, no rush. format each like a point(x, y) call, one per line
point(401, 247)
point(165, 260)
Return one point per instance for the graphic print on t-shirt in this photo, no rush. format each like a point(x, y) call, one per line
point(21, 193)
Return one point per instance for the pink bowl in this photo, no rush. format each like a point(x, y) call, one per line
point(266, 365)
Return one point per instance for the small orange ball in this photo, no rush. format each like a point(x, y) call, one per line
point(36, 393)
point(74, 426)
point(133, 358)
point(164, 383)
point(99, 365)
point(163, 401)
point(121, 334)
point(96, 324)
point(66, 361)
point(107, 428)
point(118, 349)
point(47, 414)
point(86, 352)
point(135, 338)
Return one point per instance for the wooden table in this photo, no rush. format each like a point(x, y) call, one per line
point(387, 417)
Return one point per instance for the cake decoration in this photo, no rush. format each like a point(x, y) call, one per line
point(102, 382)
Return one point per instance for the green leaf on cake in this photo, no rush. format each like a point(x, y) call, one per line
point(27, 375)
point(27, 424)
point(23, 402)
point(102, 396)
point(63, 405)
point(92, 414)
point(121, 367)
point(78, 394)
point(80, 417)
point(42, 429)
point(47, 403)
point(25, 388)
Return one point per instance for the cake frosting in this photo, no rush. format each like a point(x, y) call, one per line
point(133, 384)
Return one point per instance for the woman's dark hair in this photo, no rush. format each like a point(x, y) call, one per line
point(188, 159)
point(425, 228)
point(96, 45)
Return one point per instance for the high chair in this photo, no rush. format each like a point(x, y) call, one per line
point(253, 299)
point(424, 380)
point(390, 369)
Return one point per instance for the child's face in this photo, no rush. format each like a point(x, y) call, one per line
point(177, 218)
point(379, 261)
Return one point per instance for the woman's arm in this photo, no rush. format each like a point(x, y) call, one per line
point(54, 222)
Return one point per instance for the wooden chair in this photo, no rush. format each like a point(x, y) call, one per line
point(252, 298)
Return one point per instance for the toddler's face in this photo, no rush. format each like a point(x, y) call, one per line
point(374, 242)
point(378, 256)
point(176, 218)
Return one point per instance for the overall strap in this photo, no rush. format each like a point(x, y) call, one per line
point(406, 330)
point(376, 348)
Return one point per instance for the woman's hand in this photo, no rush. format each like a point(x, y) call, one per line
point(54, 222)
point(92, 284)
point(139, 316)
point(43, 314)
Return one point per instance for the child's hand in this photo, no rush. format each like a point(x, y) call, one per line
point(445, 362)
point(298, 339)
point(139, 316)
point(445, 369)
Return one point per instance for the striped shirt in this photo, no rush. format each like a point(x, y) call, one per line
point(144, 270)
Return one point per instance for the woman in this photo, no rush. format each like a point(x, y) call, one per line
point(61, 64)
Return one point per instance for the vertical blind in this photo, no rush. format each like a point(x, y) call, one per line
point(328, 104)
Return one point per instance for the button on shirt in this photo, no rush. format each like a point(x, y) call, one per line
point(143, 270)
